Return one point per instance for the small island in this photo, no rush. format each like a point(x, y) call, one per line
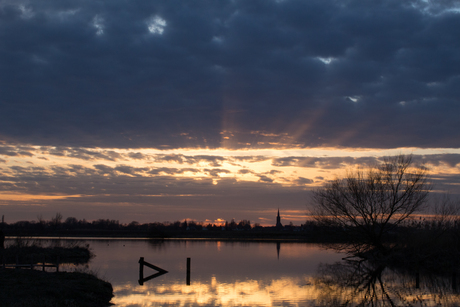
point(30, 276)
point(35, 288)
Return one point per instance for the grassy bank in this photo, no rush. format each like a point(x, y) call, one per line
point(35, 254)
point(33, 288)
point(28, 251)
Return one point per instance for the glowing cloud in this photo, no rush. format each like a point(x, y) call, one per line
point(156, 25)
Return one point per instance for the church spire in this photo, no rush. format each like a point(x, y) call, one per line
point(278, 220)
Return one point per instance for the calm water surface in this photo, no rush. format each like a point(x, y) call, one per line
point(259, 274)
point(222, 273)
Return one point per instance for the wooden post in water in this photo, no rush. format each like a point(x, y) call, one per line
point(17, 262)
point(143, 263)
point(417, 280)
point(141, 271)
point(44, 260)
point(188, 271)
point(57, 264)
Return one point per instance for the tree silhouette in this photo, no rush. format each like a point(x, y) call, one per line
point(367, 204)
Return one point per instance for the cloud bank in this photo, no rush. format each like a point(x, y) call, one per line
point(164, 110)
point(233, 74)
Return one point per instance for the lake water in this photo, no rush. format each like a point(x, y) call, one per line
point(226, 273)
point(221, 273)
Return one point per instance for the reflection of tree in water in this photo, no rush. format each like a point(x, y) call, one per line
point(401, 262)
point(363, 283)
point(157, 244)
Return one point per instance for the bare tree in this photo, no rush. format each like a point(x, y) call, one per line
point(367, 204)
point(446, 212)
point(56, 220)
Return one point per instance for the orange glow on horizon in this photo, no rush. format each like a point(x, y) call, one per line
point(203, 173)
point(31, 197)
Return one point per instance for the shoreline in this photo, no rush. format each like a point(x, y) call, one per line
point(246, 237)
point(53, 289)
point(252, 239)
point(30, 276)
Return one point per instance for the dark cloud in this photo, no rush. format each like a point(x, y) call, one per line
point(103, 191)
point(81, 153)
point(170, 158)
point(245, 171)
point(264, 178)
point(176, 74)
point(172, 170)
point(446, 183)
point(123, 184)
point(214, 161)
point(451, 160)
point(251, 158)
point(137, 155)
point(273, 172)
point(8, 150)
point(216, 171)
point(104, 169)
point(126, 169)
point(303, 181)
point(99, 181)
point(226, 200)
point(324, 163)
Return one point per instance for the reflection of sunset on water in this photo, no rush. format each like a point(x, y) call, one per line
point(251, 274)
point(290, 291)
point(223, 273)
point(286, 291)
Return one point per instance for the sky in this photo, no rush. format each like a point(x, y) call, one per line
point(160, 111)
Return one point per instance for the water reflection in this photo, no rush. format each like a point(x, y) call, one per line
point(261, 274)
point(280, 274)
point(222, 273)
point(363, 283)
point(285, 291)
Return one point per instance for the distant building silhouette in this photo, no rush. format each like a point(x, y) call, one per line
point(278, 220)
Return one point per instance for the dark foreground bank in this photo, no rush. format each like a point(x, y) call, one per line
point(34, 288)
point(34, 254)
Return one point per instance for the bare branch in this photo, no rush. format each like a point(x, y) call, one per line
point(368, 204)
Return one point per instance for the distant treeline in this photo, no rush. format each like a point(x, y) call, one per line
point(71, 226)
point(311, 230)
